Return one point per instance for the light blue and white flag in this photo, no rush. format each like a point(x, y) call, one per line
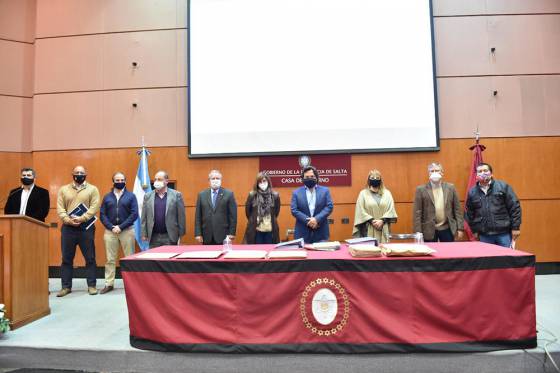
point(141, 187)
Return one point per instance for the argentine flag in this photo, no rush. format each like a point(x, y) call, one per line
point(141, 187)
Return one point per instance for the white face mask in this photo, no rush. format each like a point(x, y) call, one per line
point(215, 183)
point(435, 177)
point(263, 186)
point(158, 184)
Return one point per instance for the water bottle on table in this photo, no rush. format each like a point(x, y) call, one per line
point(227, 246)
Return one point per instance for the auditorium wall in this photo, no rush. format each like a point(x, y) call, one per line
point(68, 88)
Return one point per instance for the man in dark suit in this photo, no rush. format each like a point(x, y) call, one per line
point(29, 199)
point(311, 206)
point(437, 211)
point(216, 212)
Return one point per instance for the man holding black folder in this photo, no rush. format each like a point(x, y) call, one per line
point(77, 204)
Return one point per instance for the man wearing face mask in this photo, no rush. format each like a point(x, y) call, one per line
point(163, 214)
point(437, 210)
point(311, 205)
point(119, 211)
point(492, 209)
point(216, 212)
point(29, 199)
point(73, 232)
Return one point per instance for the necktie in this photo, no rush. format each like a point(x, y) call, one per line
point(214, 196)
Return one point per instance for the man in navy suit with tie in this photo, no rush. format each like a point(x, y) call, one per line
point(216, 212)
point(311, 206)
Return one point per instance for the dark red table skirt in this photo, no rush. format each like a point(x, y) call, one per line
point(467, 297)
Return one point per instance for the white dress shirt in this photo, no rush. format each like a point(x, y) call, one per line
point(24, 198)
point(310, 194)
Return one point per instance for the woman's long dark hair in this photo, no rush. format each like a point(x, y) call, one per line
point(263, 200)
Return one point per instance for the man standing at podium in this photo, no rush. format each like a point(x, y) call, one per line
point(74, 231)
point(29, 199)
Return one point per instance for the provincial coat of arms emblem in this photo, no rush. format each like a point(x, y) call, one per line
point(324, 307)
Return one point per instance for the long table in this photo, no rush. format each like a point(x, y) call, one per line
point(468, 296)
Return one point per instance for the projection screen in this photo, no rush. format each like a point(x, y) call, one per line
point(310, 76)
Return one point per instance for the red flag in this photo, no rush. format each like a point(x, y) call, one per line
point(477, 150)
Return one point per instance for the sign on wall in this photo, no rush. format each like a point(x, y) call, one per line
point(285, 171)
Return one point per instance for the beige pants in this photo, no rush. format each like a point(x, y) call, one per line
point(126, 240)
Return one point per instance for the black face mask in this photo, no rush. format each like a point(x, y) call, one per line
point(79, 179)
point(27, 180)
point(119, 186)
point(310, 183)
point(374, 182)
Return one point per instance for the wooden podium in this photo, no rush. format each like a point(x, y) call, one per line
point(24, 268)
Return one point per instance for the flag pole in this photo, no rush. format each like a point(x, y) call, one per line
point(476, 150)
point(141, 187)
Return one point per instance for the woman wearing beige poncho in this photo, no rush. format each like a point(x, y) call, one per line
point(375, 210)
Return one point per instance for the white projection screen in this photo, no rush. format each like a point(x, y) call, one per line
point(310, 76)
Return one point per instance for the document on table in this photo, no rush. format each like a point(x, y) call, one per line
point(406, 249)
point(156, 255)
point(246, 254)
point(205, 254)
point(287, 254)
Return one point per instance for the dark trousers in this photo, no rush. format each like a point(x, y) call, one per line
point(70, 237)
point(442, 236)
point(212, 242)
point(160, 239)
point(263, 238)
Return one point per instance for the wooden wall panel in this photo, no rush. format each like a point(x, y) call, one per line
point(15, 124)
point(16, 68)
point(521, 6)
point(525, 44)
point(72, 120)
point(69, 64)
point(95, 62)
point(71, 17)
point(160, 117)
point(458, 7)
point(68, 17)
point(88, 120)
point(129, 15)
point(478, 7)
point(523, 163)
point(12, 163)
point(17, 20)
point(525, 105)
point(539, 232)
point(461, 45)
point(157, 53)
